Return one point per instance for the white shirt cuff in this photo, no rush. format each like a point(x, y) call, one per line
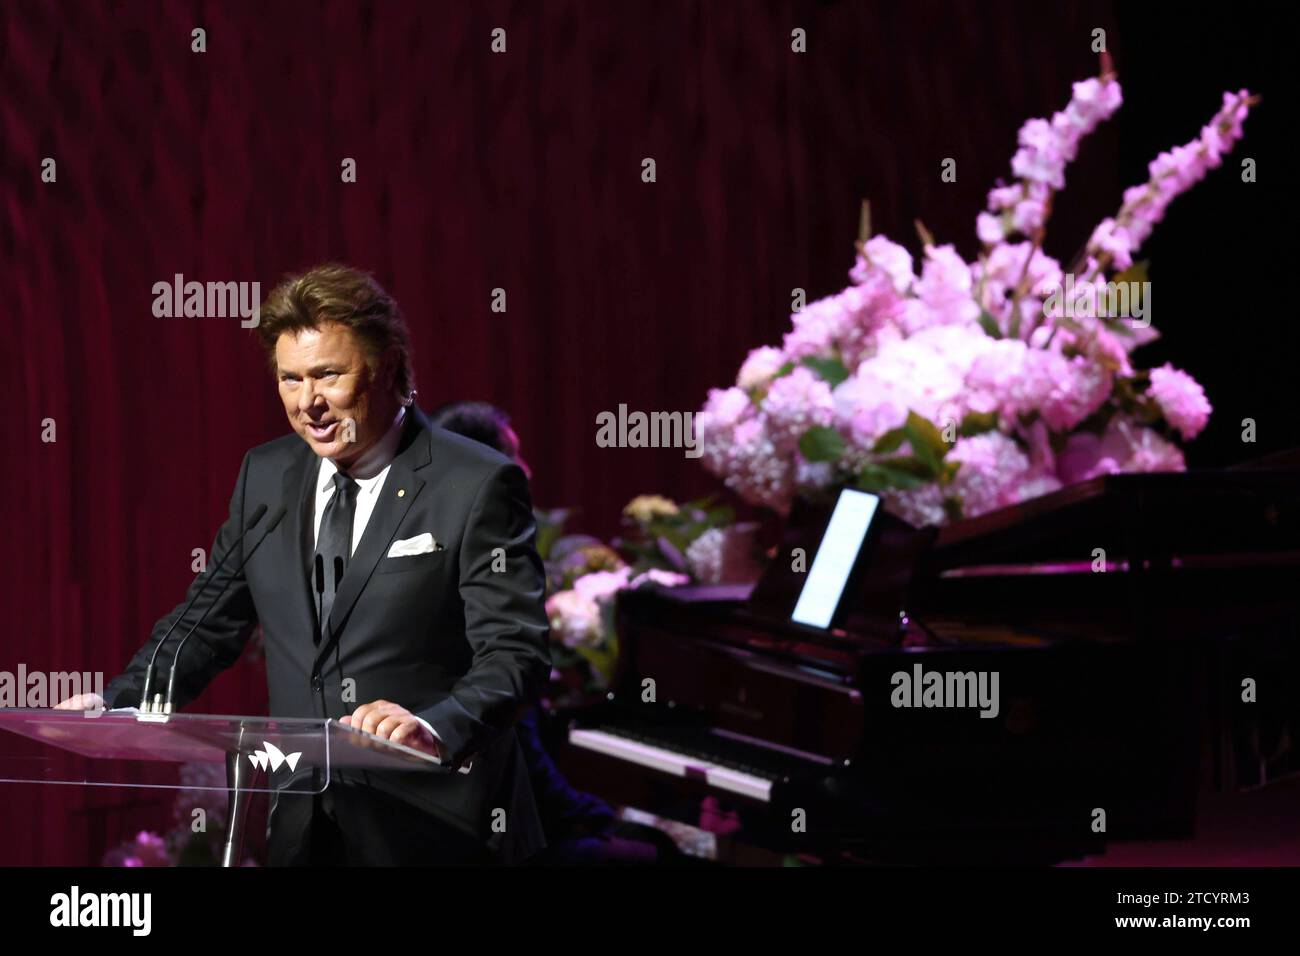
point(428, 726)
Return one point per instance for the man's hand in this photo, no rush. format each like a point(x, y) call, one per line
point(81, 702)
point(394, 722)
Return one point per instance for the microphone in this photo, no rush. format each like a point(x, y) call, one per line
point(171, 676)
point(148, 674)
point(320, 598)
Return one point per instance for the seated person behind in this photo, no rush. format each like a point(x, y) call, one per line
point(580, 827)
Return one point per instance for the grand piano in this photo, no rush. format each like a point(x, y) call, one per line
point(1143, 629)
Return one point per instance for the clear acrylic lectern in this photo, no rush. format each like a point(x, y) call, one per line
point(127, 748)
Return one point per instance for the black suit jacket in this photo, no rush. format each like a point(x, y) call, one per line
point(458, 636)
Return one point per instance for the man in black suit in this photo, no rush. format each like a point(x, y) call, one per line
point(437, 623)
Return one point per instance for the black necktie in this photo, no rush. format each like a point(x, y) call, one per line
point(335, 538)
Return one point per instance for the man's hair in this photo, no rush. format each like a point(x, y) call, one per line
point(350, 297)
point(480, 421)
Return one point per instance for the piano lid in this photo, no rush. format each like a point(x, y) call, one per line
point(1200, 519)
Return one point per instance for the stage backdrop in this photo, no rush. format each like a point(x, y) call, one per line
point(519, 171)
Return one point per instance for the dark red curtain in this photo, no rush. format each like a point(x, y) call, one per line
point(475, 171)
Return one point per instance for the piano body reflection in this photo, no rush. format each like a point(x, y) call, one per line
point(1125, 618)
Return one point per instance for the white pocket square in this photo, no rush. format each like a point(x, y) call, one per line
point(420, 544)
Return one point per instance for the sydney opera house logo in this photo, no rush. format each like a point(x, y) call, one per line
point(272, 757)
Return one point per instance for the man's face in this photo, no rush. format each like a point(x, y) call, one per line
point(330, 396)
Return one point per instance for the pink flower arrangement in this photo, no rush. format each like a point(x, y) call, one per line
point(665, 545)
point(964, 387)
point(146, 849)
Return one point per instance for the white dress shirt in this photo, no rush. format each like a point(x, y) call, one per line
point(370, 472)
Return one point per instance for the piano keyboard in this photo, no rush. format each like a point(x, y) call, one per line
point(674, 763)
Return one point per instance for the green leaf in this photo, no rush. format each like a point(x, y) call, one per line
point(904, 473)
point(872, 478)
point(908, 471)
point(721, 515)
point(830, 370)
point(976, 423)
point(926, 440)
point(889, 441)
point(820, 443)
point(989, 325)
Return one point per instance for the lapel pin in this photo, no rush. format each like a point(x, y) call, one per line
point(401, 492)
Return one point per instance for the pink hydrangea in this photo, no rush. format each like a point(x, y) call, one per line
point(819, 328)
point(1110, 349)
point(575, 619)
point(725, 407)
point(1080, 388)
point(943, 292)
point(1124, 446)
point(795, 403)
point(724, 555)
point(845, 323)
point(814, 475)
point(754, 469)
point(667, 579)
point(864, 410)
point(917, 506)
point(1035, 483)
point(1181, 399)
point(889, 258)
point(924, 374)
point(600, 585)
point(1000, 272)
point(715, 423)
point(995, 473)
point(1012, 379)
point(992, 465)
point(146, 849)
point(1082, 459)
point(759, 367)
point(1147, 451)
